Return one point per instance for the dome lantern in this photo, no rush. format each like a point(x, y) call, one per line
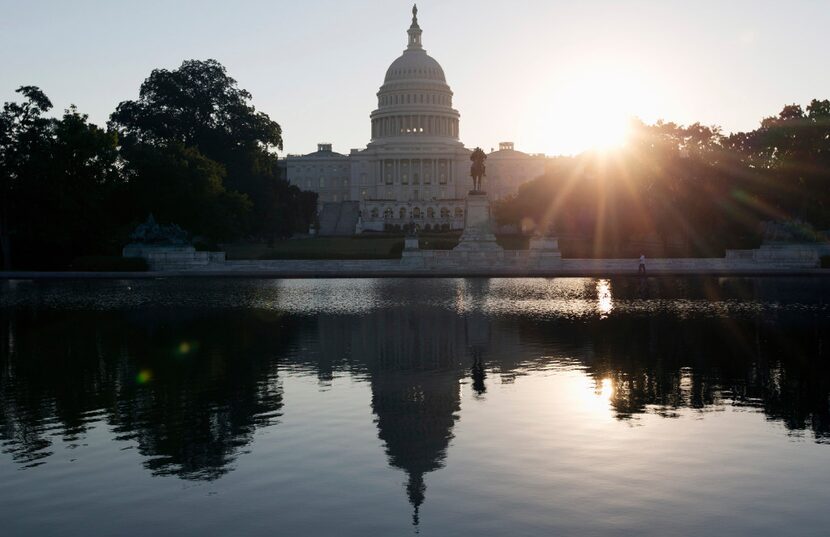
point(414, 30)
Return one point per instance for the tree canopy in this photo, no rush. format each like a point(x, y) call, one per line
point(198, 106)
point(192, 150)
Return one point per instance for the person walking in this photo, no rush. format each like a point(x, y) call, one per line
point(642, 269)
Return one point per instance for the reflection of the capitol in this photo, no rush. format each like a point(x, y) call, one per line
point(213, 376)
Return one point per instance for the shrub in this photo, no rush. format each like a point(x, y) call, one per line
point(396, 250)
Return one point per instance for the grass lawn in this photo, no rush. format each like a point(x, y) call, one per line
point(375, 246)
point(319, 248)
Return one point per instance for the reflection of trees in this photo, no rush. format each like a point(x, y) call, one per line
point(663, 363)
point(204, 392)
point(213, 375)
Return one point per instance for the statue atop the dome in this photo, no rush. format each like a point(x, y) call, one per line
point(477, 169)
point(414, 30)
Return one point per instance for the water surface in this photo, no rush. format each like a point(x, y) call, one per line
point(388, 407)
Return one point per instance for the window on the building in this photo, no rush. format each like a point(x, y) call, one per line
point(415, 179)
point(416, 212)
point(430, 212)
point(322, 182)
point(387, 213)
point(445, 212)
point(459, 213)
point(375, 212)
point(402, 213)
point(388, 178)
point(404, 178)
point(442, 178)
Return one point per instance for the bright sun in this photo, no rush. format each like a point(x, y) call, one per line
point(592, 110)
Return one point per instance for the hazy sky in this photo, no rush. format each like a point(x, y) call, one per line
point(541, 73)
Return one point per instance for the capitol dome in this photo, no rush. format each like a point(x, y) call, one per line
point(414, 99)
point(415, 64)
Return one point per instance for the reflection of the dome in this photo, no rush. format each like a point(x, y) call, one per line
point(60, 370)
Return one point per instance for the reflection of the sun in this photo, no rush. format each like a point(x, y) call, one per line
point(605, 301)
point(606, 389)
point(588, 396)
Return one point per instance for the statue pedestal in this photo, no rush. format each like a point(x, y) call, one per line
point(478, 231)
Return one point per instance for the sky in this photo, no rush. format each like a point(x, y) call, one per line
point(555, 77)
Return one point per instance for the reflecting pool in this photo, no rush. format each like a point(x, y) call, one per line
point(572, 406)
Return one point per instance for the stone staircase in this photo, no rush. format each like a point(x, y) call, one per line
point(339, 218)
point(329, 215)
point(349, 214)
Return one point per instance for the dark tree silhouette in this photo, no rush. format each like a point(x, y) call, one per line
point(58, 177)
point(199, 106)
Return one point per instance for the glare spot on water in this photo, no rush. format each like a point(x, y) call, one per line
point(605, 302)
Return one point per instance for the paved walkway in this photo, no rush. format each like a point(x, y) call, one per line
point(394, 268)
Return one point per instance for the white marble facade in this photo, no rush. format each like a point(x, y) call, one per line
point(415, 169)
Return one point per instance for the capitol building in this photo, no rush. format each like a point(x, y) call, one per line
point(415, 169)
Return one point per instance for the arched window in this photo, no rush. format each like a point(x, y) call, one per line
point(375, 212)
point(416, 212)
point(387, 213)
point(445, 213)
point(430, 212)
point(459, 213)
point(402, 213)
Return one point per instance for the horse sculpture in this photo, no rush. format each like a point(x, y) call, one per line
point(477, 169)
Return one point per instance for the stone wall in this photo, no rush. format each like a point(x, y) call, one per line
point(161, 257)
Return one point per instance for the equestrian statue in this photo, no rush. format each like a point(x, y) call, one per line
point(477, 169)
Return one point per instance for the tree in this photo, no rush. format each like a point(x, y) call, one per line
point(23, 133)
point(57, 178)
point(196, 105)
point(199, 106)
point(178, 184)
